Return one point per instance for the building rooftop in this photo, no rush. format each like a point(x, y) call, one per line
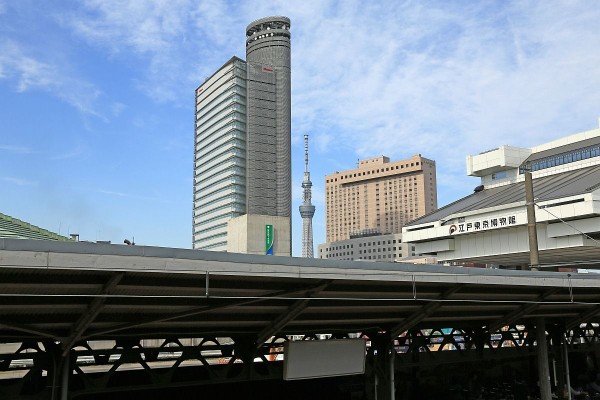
point(564, 149)
point(15, 228)
point(556, 186)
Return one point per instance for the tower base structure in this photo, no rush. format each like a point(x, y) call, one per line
point(256, 234)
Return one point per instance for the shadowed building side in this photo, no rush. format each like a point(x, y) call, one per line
point(269, 117)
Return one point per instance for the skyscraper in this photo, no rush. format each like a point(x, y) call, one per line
point(307, 210)
point(242, 170)
point(269, 182)
point(220, 155)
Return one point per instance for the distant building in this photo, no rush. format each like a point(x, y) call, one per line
point(377, 198)
point(16, 229)
point(387, 248)
point(242, 165)
point(489, 226)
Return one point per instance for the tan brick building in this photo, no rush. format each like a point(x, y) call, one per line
point(379, 196)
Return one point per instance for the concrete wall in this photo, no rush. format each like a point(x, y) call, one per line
point(246, 234)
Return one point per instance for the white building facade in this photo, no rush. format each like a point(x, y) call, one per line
point(220, 155)
point(379, 248)
point(490, 225)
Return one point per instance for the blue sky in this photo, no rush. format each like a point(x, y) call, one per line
point(97, 96)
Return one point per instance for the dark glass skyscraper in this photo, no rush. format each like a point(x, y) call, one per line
point(269, 190)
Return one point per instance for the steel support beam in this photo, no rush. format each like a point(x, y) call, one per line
point(90, 313)
point(423, 313)
point(521, 311)
point(196, 311)
point(583, 317)
point(27, 329)
point(291, 313)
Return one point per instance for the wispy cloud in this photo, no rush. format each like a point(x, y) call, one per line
point(23, 150)
point(30, 73)
point(155, 31)
point(17, 149)
point(426, 73)
point(118, 108)
point(158, 199)
point(19, 181)
point(446, 80)
point(70, 154)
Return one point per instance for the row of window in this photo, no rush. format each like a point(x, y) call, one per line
point(341, 256)
point(373, 171)
point(561, 159)
point(227, 190)
point(366, 244)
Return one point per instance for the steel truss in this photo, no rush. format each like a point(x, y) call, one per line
point(31, 369)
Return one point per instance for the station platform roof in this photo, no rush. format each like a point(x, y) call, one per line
point(72, 291)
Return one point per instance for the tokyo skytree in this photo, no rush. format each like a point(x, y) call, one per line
point(307, 210)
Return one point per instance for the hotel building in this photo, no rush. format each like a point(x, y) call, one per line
point(377, 198)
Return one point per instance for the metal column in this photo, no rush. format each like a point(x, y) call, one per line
point(65, 374)
point(542, 359)
point(392, 371)
point(534, 260)
point(566, 361)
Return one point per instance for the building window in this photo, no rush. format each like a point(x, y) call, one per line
point(499, 175)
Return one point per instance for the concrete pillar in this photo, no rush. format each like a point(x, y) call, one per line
point(542, 360)
point(534, 259)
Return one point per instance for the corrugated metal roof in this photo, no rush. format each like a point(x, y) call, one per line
point(15, 228)
point(556, 186)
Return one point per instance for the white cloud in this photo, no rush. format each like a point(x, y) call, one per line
point(30, 74)
point(17, 149)
point(446, 80)
point(28, 71)
point(389, 77)
point(73, 153)
point(158, 199)
point(155, 31)
point(117, 108)
point(19, 181)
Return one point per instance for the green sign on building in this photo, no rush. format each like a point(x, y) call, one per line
point(269, 237)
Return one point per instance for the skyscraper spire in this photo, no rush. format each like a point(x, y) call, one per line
point(307, 210)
